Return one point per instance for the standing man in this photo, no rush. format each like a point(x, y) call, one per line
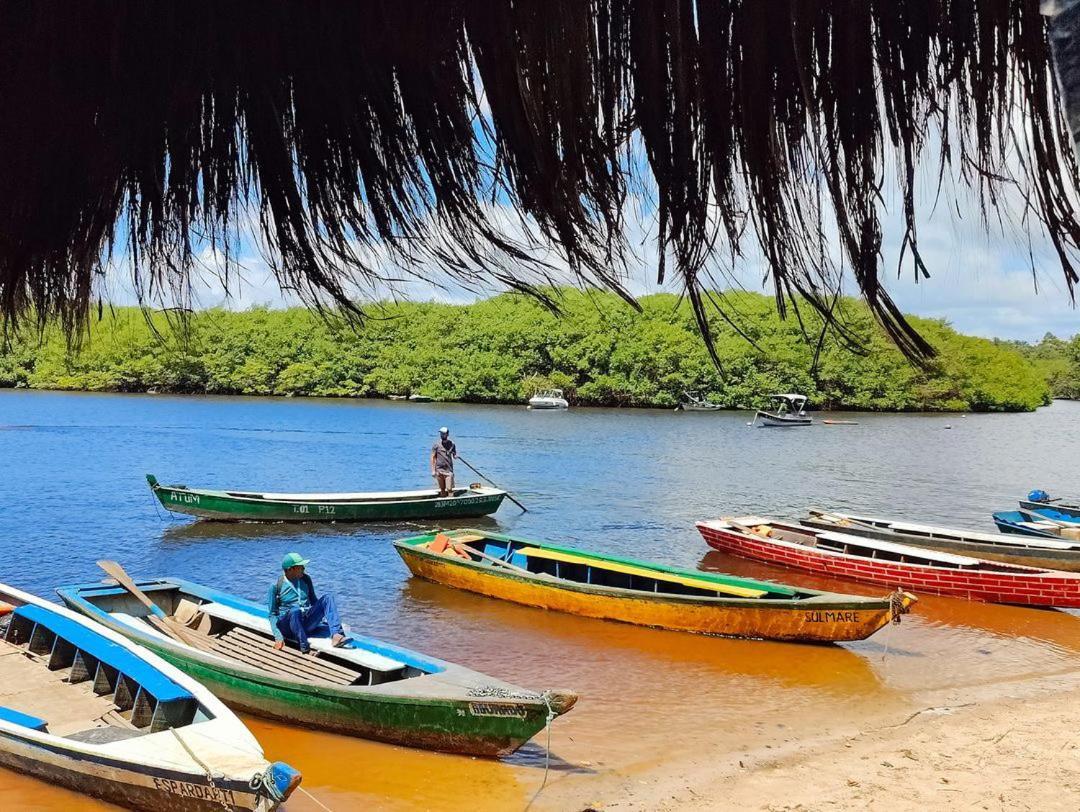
point(442, 462)
point(294, 610)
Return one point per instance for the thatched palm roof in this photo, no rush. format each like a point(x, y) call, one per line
point(391, 125)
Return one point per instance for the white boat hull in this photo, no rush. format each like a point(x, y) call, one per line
point(547, 405)
point(768, 419)
point(135, 767)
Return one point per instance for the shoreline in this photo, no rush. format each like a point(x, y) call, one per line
point(516, 404)
point(995, 746)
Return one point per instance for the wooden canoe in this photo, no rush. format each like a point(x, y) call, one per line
point(83, 708)
point(610, 588)
point(1047, 552)
point(899, 566)
point(366, 688)
point(251, 506)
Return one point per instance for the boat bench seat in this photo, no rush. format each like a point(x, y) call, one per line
point(260, 623)
point(152, 681)
point(22, 719)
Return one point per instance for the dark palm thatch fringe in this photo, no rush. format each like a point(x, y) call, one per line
point(357, 129)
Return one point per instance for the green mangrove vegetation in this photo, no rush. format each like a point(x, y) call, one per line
point(501, 350)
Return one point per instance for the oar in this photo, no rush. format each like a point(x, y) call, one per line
point(1036, 516)
point(460, 547)
point(157, 618)
point(482, 476)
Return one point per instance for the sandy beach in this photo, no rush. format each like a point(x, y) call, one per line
point(1005, 746)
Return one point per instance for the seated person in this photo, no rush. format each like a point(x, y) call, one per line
point(295, 612)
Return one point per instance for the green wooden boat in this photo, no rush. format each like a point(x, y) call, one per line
point(252, 506)
point(366, 688)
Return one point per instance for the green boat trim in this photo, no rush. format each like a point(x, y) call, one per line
point(255, 506)
point(399, 696)
point(773, 591)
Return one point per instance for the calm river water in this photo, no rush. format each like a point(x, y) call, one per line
point(629, 482)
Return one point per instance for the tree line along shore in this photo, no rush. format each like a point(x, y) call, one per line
point(597, 349)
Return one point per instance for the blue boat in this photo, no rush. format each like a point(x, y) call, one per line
point(84, 709)
point(1039, 501)
point(1018, 524)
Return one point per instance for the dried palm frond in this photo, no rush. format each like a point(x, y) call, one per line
point(389, 127)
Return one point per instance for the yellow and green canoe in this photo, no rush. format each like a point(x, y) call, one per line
point(601, 586)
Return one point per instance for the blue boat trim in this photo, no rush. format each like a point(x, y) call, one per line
point(78, 593)
point(410, 658)
point(149, 678)
point(23, 719)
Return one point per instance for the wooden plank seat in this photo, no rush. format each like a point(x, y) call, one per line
point(258, 652)
point(369, 660)
point(155, 701)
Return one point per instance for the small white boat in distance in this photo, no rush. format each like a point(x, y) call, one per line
point(548, 399)
point(790, 410)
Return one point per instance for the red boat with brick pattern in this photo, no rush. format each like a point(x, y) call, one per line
point(888, 564)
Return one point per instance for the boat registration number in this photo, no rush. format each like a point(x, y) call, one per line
point(831, 617)
point(189, 790)
point(321, 510)
point(498, 709)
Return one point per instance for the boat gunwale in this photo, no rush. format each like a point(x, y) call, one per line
point(236, 668)
point(815, 598)
point(933, 531)
point(998, 544)
point(1000, 568)
point(260, 498)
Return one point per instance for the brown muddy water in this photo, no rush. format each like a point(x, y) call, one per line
point(625, 482)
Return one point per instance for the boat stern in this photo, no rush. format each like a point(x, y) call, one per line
point(276, 784)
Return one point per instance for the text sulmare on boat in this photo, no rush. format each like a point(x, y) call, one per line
point(600, 586)
point(1050, 552)
point(86, 709)
point(255, 506)
point(888, 564)
point(366, 687)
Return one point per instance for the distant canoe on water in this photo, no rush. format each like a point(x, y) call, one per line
point(366, 688)
point(85, 709)
point(254, 506)
point(609, 588)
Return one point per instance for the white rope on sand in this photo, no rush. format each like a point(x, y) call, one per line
point(547, 750)
point(315, 800)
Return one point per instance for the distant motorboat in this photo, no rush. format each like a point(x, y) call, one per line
point(549, 399)
point(692, 402)
point(419, 398)
point(790, 410)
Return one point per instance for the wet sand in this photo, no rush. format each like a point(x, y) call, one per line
point(1010, 746)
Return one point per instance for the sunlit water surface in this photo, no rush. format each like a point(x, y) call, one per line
point(617, 481)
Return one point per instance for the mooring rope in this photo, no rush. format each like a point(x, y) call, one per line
point(546, 696)
point(206, 769)
point(317, 802)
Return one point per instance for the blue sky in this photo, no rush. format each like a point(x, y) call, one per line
point(982, 280)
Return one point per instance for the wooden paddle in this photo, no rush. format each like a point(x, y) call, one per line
point(1038, 517)
point(482, 476)
point(491, 558)
point(157, 618)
